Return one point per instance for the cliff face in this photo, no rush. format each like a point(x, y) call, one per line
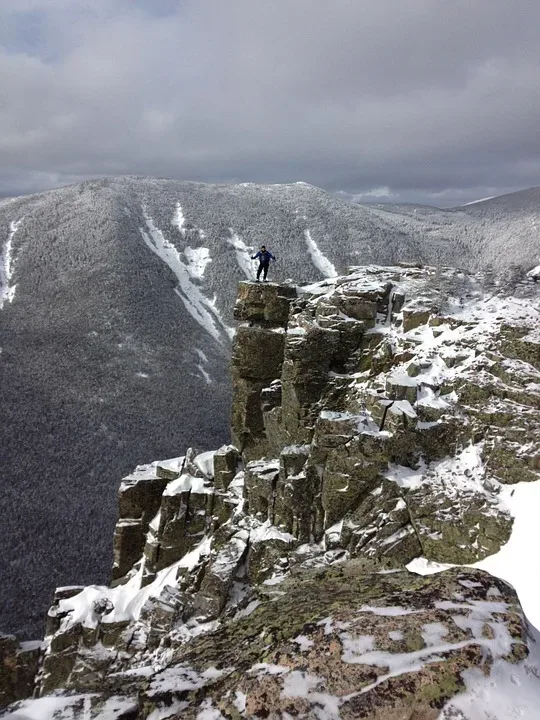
point(377, 418)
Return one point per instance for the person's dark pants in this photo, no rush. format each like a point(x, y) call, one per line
point(263, 268)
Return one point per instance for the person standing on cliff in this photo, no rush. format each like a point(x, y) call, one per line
point(263, 256)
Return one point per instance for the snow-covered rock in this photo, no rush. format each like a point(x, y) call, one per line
point(269, 579)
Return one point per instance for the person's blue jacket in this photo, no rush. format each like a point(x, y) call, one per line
point(263, 257)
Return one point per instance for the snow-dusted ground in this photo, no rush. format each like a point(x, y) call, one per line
point(127, 599)
point(320, 261)
point(518, 561)
point(508, 692)
point(200, 308)
point(7, 290)
point(68, 708)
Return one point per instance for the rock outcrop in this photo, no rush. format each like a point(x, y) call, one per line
point(340, 643)
point(19, 663)
point(376, 419)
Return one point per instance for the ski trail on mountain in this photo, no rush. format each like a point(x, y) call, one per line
point(198, 306)
point(243, 254)
point(198, 259)
point(321, 262)
point(179, 219)
point(7, 291)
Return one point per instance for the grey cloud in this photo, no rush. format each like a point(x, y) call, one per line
point(432, 100)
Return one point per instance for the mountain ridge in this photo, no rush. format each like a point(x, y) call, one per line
point(116, 338)
point(351, 554)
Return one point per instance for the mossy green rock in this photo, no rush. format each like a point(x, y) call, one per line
point(321, 645)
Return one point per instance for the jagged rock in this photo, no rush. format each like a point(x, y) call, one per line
point(268, 549)
point(402, 387)
point(260, 487)
point(170, 469)
point(257, 360)
point(333, 640)
point(258, 352)
point(127, 542)
point(247, 423)
point(140, 494)
point(185, 511)
point(218, 577)
point(267, 302)
point(350, 453)
point(520, 343)
point(294, 493)
point(308, 358)
point(54, 616)
point(375, 417)
point(226, 461)
point(271, 400)
point(414, 316)
point(139, 498)
point(60, 658)
point(162, 613)
point(19, 663)
point(271, 396)
point(380, 528)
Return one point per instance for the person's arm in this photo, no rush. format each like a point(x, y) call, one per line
point(254, 257)
point(273, 256)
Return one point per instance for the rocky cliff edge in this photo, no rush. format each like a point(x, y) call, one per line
point(382, 419)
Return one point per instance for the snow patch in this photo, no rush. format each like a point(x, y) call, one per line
point(304, 643)
point(390, 611)
point(243, 254)
point(474, 202)
point(534, 273)
point(7, 290)
point(205, 376)
point(321, 262)
point(508, 691)
point(268, 669)
point(198, 259)
point(58, 707)
point(179, 219)
point(267, 531)
point(516, 562)
point(198, 306)
point(126, 600)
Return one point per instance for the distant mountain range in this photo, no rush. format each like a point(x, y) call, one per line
point(116, 304)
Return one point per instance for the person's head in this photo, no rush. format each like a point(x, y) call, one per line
point(263, 247)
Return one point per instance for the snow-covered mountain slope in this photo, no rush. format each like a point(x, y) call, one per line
point(116, 304)
point(386, 427)
point(497, 232)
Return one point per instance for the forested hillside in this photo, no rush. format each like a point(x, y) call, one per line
point(116, 302)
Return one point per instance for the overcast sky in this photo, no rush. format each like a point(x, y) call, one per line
point(420, 100)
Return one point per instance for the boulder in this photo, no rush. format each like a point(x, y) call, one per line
point(219, 576)
point(226, 462)
point(264, 302)
point(414, 316)
point(258, 352)
point(128, 540)
point(19, 664)
point(260, 485)
point(139, 498)
point(342, 643)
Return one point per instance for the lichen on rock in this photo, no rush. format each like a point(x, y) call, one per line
point(376, 418)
